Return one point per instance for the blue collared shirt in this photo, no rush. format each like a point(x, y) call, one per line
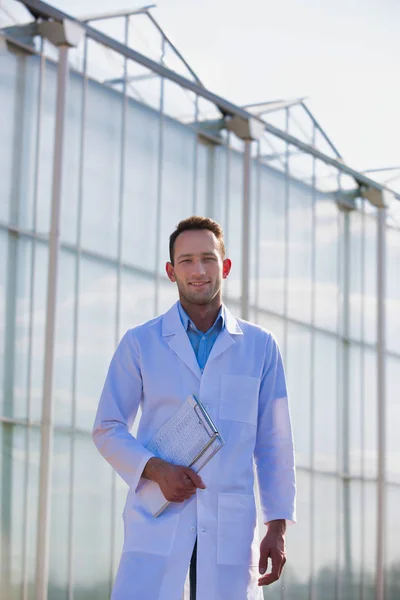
point(202, 343)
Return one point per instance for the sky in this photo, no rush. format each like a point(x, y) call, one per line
point(343, 56)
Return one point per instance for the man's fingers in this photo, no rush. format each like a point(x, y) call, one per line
point(278, 562)
point(263, 562)
point(195, 478)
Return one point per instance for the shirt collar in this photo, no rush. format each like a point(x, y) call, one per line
point(188, 323)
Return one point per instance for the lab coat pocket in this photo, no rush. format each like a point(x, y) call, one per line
point(236, 527)
point(145, 533)
point(239, 398)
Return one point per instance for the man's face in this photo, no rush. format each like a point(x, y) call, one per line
point(198, 267)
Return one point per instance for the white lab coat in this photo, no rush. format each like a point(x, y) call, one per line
point(243, 387)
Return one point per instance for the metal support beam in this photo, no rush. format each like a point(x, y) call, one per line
point(246, 230)
point(64, 35)
point(381, 402)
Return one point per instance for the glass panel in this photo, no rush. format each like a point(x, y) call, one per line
point(72, 159)
point(137, 300)
point(177, 166)
point(102, 162)
point(60, 517)
point(393, 291)
point(393, 419)
point(351, 532)
point(205, 178)
point(392, 579)
point(297, 569)
point(326, 263)
point(39, 327)
point(370, 275)
point(32, 506)
point(275, 325)
point(355, 258)
point(272, 240)
point(233, 229)
point(220, 185)
point(3, 320)
point(168, 295)
point(12, 520)
point(64, 341)
point(325, 405)
point(96, 336)
point(369, 546)
point(300, 249)
point(355, 410)
point(92, 523)
point(140, 186)
point(298, 371)
point(370, 413)
point(325, 537)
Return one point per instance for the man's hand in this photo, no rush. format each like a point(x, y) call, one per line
point(177, 483)
point(273, 547)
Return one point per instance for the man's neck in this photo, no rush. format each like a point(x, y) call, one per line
point(203, 316)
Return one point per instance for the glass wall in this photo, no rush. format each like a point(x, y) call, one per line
point(131, 172)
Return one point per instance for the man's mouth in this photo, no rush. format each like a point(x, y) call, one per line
point(199, 283)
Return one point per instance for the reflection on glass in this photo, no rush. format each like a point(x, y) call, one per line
point(325, 403)
point(298, 372)
point(325, 537)
point(92, 553)
point(96, 336)
point(298, 568)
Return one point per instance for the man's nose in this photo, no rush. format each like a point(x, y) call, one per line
point(199, 268)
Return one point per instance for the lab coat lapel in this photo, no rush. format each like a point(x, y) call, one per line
point(178, 339)
point(227, 336)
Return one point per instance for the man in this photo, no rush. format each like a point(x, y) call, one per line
point(234, 367)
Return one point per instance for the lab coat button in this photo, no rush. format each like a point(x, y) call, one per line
point(203, 531)
point(193, 529)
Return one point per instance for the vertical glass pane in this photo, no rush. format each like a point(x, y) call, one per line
point(102, 169)
point(275, 325)
point(351, 528)
point(393, 290)
point(220, 185)
point(60, 515)
point(369, 545)
point(205, 178)
point(355, 258)
point(325, 404)
point(392, 578)
point(234, 226)
point(355, 410)
point(137, 300)
point(39, 328)
point(177, 181)
point(140, 186)
point(326, 263)
point(300, 250)
point(168, 295)
point(92, 523)
point(32, 506)
point(72, 159)
point(64, 341)
point(393, 419)
point(370, 413)
point(272, 240)
point(298, 371)
point(370, 278)
point(3, 321)
point(325, 537)
point(96, 336)
point(297, 568)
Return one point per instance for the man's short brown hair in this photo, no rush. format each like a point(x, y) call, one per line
point(197, 223)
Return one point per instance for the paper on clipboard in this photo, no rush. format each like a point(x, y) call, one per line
point(188, 438)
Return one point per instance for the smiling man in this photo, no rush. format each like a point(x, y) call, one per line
point(235, 368)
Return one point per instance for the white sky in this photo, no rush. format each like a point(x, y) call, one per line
point(344, 56)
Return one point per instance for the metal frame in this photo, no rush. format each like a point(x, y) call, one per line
point(227, 108)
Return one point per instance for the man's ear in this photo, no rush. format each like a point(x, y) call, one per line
point(169, 267)
point(226, 267)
